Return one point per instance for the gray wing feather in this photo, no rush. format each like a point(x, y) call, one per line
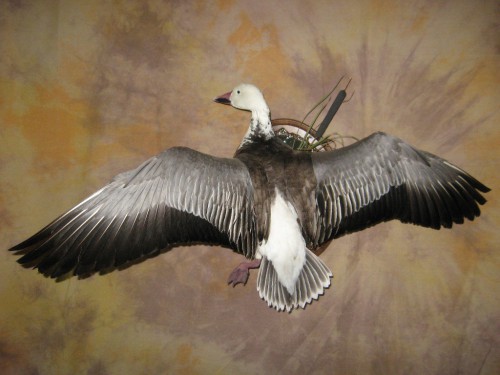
point(381, 178)
point(180, 196)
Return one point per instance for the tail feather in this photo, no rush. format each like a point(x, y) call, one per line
point(312, 282)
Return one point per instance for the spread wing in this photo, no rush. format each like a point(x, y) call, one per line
point(381, 178)
point(178, 197)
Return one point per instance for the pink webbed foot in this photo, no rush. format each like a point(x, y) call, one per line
point(240, 274)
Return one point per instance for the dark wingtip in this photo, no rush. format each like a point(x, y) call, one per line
point(485, 189)
point(480, 186)
point(20, 247)
point(16, 248)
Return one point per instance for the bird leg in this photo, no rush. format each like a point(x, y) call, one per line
point(240, 274)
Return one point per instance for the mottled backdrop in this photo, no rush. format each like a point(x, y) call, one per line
point(92, 88)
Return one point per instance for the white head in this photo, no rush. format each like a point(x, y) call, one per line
point(246, 97)
point(249, 98)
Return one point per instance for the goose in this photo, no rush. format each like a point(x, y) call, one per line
point(270, 203)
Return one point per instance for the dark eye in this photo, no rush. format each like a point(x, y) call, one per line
point(237, 91)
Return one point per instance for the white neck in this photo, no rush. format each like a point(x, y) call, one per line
point(260, 127)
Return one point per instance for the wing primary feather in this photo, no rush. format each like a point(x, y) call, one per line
point(41, 248)
point(434, 217)
point(467, 177)
point(471, 189)
point(445, 215)
point(65, 253)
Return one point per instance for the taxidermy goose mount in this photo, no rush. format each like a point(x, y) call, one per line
point(270, 203)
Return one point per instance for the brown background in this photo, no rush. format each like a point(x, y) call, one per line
point(91, 88)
